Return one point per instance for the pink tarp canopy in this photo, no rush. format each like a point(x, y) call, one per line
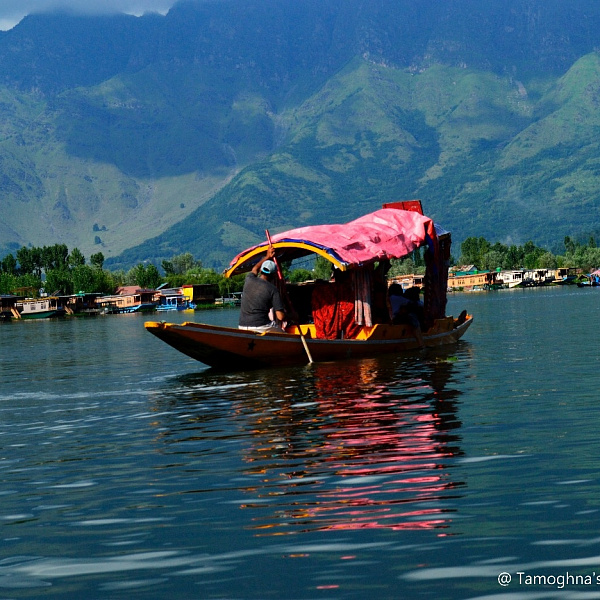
point(386, 233)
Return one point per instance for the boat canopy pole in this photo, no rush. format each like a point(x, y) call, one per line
point(281, 282)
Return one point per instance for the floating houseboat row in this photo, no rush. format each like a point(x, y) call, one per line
point(474, 280)
point(471, 279)
point(126, 299)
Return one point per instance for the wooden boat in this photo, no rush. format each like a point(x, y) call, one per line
point(357, 247)
point(225, 347)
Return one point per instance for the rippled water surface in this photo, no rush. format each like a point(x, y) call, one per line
point(128, 470)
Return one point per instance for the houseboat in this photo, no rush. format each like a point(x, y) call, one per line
point(566, 275)
point(173, 300)
point(537, 277)
point(40, 308)
point(200, 293)
point(473, 281)
point(234, 299)
point(128, 300)
point(511, 278)
point(82, 304)
point(409, 281)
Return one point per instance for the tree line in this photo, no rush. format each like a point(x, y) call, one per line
point(487, 256)
point(55, 269)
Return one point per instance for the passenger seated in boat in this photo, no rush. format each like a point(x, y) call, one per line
point(260, 296)
point(413, 295)
point(299, 301)
point(333, 308)
point(406, 308)
point(379, 294)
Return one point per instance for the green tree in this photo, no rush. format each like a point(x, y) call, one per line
point(54, 257)
point(232, 284)
point(97, 260)
point(531, 255)
point(146, 277)
point(37, 261)
point(492, 260)
point(15, 283)
point(8, 282)
point(404, 266)
point(586, 258)
point(473, 250)
point(9, 265)
point(25, 259)
point(153, 277)
point(119, 278)
point(92, 280)
point(59, 281)
point(168, 267)
point(182, 263)
point(76, 258)
point(322, 268)
point(298, 275)
point(569, 245)
point(83, 279)
point(547, 260)
point(513, 259)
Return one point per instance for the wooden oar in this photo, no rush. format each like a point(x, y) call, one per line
point(280, 277)
point(308, 354)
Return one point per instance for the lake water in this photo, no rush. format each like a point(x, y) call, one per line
point(128, 470)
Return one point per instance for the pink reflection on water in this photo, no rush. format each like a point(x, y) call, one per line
point(361, 457)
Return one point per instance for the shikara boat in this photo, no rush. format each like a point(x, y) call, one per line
point(358, 248)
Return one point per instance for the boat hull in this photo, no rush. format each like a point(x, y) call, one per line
point(231, 349)
point(44, 314)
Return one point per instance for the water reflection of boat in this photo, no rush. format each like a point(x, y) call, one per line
point(375, 460)
point(372, 447)
point(359, 247)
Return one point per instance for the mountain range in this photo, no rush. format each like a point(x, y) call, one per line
point(146, 137)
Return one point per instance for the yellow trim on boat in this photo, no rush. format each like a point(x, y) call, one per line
point(301, 245)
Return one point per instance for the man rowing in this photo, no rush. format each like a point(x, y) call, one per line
point(260, 296)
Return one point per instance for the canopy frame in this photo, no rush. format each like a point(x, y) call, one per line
point(399, 237)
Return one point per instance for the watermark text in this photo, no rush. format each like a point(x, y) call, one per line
point(559, 582)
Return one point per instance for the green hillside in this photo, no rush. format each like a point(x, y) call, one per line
point(148, 137)
point(486, 157)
